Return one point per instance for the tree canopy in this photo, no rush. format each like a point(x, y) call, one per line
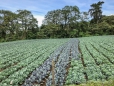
point(66, 22)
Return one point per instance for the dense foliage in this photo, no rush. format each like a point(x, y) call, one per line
point(67, 22)
point(19, 25)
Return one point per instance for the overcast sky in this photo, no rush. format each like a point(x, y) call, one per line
point(39, 8)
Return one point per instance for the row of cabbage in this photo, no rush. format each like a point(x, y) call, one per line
point(69, 52)
point(15, 66)
point(61, 57)
point(44, 70)
point(75, 75)
point(98, 55)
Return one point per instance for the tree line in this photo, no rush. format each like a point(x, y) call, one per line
point(67, 22)
point(18, 25)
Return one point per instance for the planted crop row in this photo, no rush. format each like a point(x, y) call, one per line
point(97, 53)
point(69, 52)
point(95, 59)
point(42, 72)
point(75, 62)
point(19, 57)
point(16, 74)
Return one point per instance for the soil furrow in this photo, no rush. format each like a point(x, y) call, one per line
point(102, 54)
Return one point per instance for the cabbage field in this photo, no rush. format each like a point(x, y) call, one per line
point(59, 62)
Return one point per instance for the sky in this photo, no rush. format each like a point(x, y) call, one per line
point(39, 8)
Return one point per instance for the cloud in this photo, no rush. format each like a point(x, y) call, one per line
point(40, 19)
point(39, 8)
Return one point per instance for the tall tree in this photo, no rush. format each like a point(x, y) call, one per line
point(64, 16)
point(6, 22)
point(96, 11)
point(70, 14)
point(27, 21)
